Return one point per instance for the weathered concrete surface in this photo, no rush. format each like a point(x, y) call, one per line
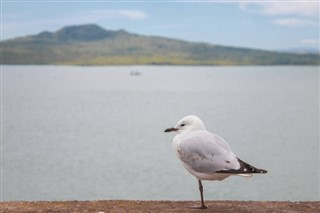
point(159, 206)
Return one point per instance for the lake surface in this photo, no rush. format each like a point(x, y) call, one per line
point(93, 133)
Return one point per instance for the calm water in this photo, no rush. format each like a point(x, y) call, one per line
point(88, 133)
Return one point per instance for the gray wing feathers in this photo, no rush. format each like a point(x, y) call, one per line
point(207, 153)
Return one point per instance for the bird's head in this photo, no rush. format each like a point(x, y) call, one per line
point(186, 124)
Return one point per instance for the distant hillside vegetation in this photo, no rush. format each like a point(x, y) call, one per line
point(92, 45)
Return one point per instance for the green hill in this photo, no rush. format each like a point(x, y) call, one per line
point(93, 45)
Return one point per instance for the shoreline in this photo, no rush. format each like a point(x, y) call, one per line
point(159, 206)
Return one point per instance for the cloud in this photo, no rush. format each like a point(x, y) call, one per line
point(98, 15)
point(281, 8)
point(131, 14)
point(295, 22)
point(288, 13)
point(310, 41)
point(173, 27)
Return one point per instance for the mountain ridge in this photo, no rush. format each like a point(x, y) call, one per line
point(88, 32)
point(91, 44)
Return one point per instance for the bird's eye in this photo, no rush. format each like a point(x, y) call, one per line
point(182, 125)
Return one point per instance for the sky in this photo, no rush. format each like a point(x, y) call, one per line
point(270, 25)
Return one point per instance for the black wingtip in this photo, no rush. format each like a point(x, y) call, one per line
point(245, 168)
point(262, 171)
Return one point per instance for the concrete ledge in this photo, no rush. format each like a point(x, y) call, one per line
point(159, 206)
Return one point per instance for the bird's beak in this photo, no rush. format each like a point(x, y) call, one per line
point(171, 129)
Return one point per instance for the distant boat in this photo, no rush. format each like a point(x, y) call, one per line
point(135, 73)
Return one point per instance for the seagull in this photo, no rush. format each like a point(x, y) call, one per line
point(206, 155)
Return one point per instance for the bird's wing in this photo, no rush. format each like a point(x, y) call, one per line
point(205, 152)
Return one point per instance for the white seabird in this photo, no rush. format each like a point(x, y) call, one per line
point(206, 155)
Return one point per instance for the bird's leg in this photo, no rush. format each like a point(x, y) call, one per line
point(201, 194)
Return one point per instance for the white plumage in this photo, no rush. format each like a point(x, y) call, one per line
point(206, 155)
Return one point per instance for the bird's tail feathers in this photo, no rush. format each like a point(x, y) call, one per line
point(245, 175)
